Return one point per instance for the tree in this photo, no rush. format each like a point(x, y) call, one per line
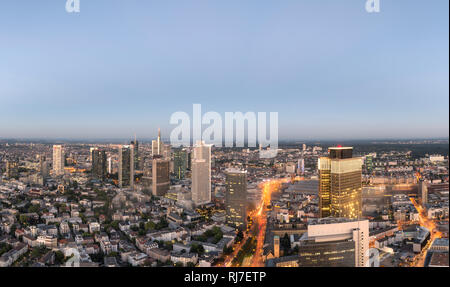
point(4, 248)
point(239, 236)
point(285, 243)
point(13, 229)
point(147, 263)
point(197, 248)
point(168, 245)
point(150, 225)
point(34, 208)
point(38, 251)
point(59, 257)
point(227, 250)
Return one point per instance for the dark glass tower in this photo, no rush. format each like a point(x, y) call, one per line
point(180, 161)
point(236, 198)
point(99, 164)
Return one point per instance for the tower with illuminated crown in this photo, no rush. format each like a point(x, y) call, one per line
point(340, 184)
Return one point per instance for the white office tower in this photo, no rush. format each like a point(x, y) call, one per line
point(329, 233)
point(58, 160)
point(157, 145)
point(166, 151)
point(90, 152)
point(110, 165)
point(201, 173)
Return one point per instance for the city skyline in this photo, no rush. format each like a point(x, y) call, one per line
point(117, 69)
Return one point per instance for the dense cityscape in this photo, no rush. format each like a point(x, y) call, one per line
point(146, 203)
point(224, 143)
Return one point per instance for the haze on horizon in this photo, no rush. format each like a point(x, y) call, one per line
point(330, 69)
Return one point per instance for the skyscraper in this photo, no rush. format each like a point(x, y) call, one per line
point(12, 168)
point(98, 169)
point(201, 174)
point(43, 166)
point(157, 145)
point(160, 176)
point(135, 146)
point(340, 184)
point(90, 153)
point(236, 198)
point(58, 160)
point(369, 163)
point(180, 159)
point(337, 242)
point(126, 166)
point(301, 166)
point(109, 165)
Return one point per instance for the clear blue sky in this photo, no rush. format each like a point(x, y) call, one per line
point(330, 69)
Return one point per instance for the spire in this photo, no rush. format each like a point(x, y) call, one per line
point(159, 134)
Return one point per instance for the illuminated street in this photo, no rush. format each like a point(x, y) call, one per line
point(431, 226)
point(260, 219)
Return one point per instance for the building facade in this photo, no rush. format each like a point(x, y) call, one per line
point(340, 184)
point(180, 159)
point(335, 242)
point(201, 174)
point(160, 176)
point(126, 166)
point(58, 160)
point(236, 198)
point(98, 169)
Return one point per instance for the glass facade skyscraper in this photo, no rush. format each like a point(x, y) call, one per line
point(236, 198)
point(340, 185)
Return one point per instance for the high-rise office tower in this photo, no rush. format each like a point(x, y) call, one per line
point(58, 160)
point(189, 159)
point(157, 145)
point(335, 242)
point(12, 168)
point(166, 151)
point(126, 166)
point(90, 153)
point(301, 166)
point(110, 165)
point(160, 176)
point(135, 146)
point(98, 169)
point(236, 198)
point(180, 159)
point(201, 173)
point(43, 166)
point(369, 163)
point(340, 184)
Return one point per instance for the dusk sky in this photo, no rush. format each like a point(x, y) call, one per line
point(330, 69)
